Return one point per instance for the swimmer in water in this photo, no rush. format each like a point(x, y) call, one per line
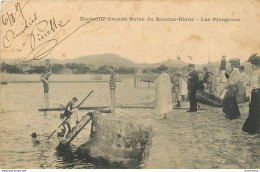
point(34, 138)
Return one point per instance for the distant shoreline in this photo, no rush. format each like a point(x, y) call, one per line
point(58, 78)
point(58, 81)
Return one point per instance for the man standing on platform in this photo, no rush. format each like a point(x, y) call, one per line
point(48, 68)
point(45, 80)
point(193, 87)
point(163, 96)
point(112, 85)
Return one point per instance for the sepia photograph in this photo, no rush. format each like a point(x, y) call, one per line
point(140, 84)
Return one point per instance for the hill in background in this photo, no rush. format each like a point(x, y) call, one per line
point(105, 59)
point(118, 61)
point(96, 60)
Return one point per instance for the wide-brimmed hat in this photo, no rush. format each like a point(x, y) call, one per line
point(254, 59)
point(234, 60)
point(162, 67)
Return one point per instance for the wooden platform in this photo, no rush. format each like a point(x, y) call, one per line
point(62, 108)
point(95, 108)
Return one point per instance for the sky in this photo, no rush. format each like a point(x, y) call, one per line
point(146, 42)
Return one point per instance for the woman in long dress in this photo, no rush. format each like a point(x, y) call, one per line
point(252, 123)
point(163, 97)
point(229, 105)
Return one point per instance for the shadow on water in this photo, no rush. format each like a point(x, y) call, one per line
point(70, 157)
point(66, 156)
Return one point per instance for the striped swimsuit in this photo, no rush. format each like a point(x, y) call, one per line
point(45, 86)
point(47, 74)
point(112, 83)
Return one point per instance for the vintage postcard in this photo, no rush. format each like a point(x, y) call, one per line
point(130, 84)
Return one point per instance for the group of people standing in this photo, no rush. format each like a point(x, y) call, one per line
point(233, 80)
point(163, 90)
point(230, 106)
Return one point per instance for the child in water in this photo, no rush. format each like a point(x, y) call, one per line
point(34, 138)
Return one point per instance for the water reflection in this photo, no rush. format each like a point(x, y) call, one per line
point(66, 156)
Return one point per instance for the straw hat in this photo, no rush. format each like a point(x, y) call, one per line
point(234, 60)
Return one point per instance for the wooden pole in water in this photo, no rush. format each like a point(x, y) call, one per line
point(85, 98)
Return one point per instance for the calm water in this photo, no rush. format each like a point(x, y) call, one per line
point(20, 117)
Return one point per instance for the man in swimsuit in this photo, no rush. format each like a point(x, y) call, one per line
point(45, 80)
point(69, 122)
point(112, 86)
